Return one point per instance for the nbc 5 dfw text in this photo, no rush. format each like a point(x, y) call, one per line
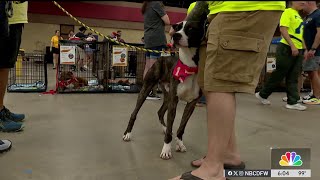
point(247, 173)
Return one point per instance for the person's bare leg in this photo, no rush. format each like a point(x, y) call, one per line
point(232, 156)
point(315, 81)
point(149, 64)
point(4, 73)
point(221, 109)
point(55, 60)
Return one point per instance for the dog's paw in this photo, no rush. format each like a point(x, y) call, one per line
point(164, 129)
point(166, 151)
point(127, 137)
point(180, 147)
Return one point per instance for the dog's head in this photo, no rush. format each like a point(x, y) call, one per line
point(190, 33)
point(66, 75)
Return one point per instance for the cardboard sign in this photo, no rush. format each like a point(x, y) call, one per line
point(271, 64)
point(67, 55)
point(119, 56)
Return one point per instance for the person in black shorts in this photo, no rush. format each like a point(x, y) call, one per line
point(155, 19)
point(10, 39)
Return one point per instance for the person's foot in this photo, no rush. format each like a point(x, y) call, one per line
point(296, 107)
point(309, 96)
point(7, 125)
point(208, 171)
point(312, 101)
point(230, 163)
point(11, 116)
point(5, 145)
point(262, 100)
point(285, 99)
point(153, 97)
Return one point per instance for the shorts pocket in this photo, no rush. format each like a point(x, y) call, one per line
point(237, 56)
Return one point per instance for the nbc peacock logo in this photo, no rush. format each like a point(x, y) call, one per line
point(291, 159)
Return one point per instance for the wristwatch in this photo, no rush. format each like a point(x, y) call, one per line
point(313, 49)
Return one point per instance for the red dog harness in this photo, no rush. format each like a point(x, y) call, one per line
point(182, 71)
point(64, 84)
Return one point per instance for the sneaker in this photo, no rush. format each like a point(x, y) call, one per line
point(309, 96)
point(11, 116)
point(312, 101)
point(153, 97)
point(263, 101)
point(285, 99)
point(5, 145)
point(7, 125)
point(296, 107)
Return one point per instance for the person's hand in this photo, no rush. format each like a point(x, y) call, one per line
point(171, 31)
point(311, 53)
point(295, 51)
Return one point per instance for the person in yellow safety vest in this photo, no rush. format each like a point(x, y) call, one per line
point(13, 15)
point(238, 38)
point(289, 56)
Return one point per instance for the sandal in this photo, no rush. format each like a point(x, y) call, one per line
point(189, 176)
point(242, 165)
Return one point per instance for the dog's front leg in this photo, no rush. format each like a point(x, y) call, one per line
point(172, 107)
point(164, 107)
point(188, 110)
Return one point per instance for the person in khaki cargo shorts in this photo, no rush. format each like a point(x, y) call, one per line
point(238, 38)
point(290, 54)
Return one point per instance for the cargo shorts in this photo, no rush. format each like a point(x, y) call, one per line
point(312, 64)
point(236, 50)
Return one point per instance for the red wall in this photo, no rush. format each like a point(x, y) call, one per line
point(96, 11)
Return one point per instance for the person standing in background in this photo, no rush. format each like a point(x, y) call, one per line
point(55, 48)
point(155, 19)
point(289, 54)
point(312, 39)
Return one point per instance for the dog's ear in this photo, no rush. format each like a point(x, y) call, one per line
point(174, 26)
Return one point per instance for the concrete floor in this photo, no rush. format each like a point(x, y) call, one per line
point(79, 137)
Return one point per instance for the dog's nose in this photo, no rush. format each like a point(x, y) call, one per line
point(176, 37)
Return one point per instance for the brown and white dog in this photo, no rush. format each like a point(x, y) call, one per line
point(178, 80)
point(67, 79)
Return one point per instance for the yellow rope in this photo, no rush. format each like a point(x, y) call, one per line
point(100, 34)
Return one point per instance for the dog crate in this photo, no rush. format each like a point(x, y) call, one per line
point(83, 67)
point(126, 68)
point(29, 73)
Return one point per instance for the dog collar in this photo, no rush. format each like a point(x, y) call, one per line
point(182, 71)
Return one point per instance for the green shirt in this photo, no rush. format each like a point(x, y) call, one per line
point(291, 19)
point(20, 12)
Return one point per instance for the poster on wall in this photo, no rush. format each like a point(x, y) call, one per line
point(119, 56)
point(67, 55)
point(271, 64)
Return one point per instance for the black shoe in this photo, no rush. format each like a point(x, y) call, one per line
point(153, 97)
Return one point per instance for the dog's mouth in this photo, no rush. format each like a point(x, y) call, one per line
point(179, 40)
